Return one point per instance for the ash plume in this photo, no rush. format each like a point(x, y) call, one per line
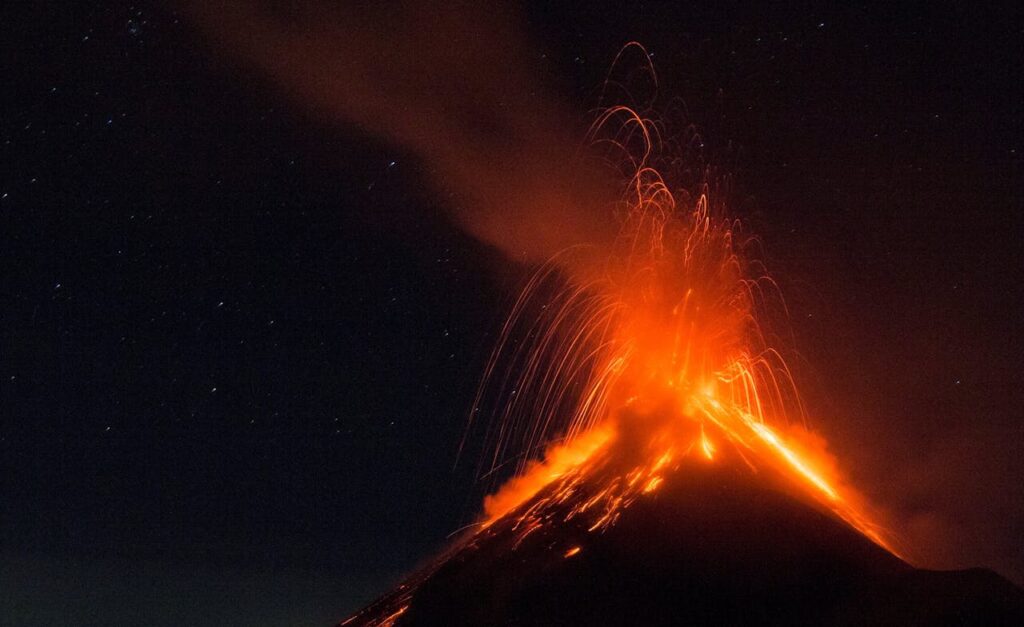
point(449, 82)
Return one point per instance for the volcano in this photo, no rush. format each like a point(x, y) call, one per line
point(714, 545)
point(679, 481)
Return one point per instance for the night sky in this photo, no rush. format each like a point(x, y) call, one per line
point(239, 340)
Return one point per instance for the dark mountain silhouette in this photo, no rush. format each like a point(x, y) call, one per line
point(715, 545)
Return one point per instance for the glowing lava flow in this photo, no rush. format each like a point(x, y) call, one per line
point(659, 356)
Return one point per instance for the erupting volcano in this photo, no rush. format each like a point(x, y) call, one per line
point(664, 470)
point(659, 355)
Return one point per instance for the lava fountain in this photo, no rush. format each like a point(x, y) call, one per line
point(611, 375)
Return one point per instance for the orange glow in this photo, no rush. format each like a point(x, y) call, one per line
point(573, 551)
point(798, 464)
point(660, 354)
point(706, 445)
point(559, 459)
point(652, 485)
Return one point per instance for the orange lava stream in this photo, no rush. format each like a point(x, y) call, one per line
point(575, 465)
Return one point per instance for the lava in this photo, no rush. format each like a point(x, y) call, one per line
point(663, 352)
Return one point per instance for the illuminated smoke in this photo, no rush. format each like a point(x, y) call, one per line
point(448, 82)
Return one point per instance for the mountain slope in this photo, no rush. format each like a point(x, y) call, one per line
point(715, 545)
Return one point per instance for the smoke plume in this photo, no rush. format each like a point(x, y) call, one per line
point(449, 82)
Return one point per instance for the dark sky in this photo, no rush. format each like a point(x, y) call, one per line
point(239, 341)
